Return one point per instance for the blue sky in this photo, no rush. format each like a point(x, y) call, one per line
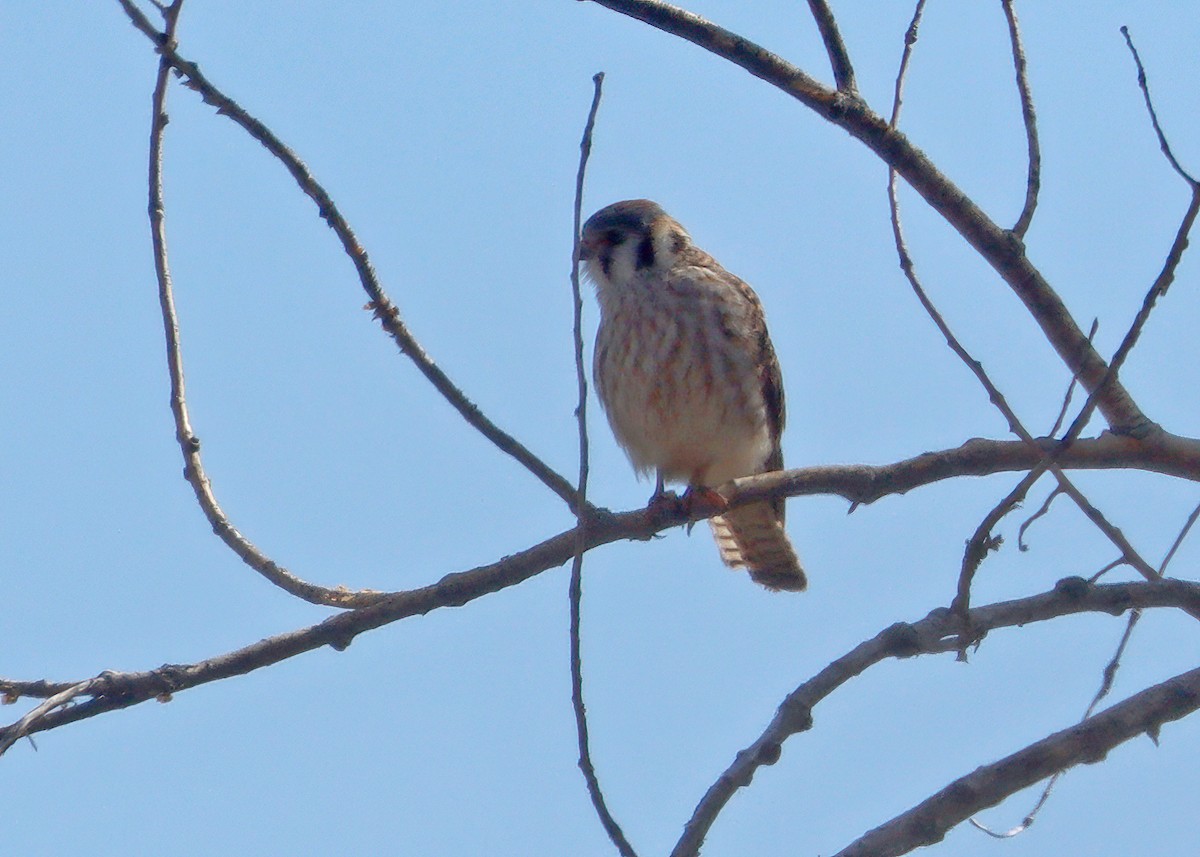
point(448, 134)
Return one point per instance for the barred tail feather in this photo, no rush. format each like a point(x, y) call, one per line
point(753, 537)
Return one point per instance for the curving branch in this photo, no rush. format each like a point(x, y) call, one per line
point(839, 57)
point(1033, 177)
point(189, 443)
point(1144, 85)
point(982, 542)
point(860, 484)
point(1088, 742)
point(993, 243)
point(937, 633)
point(384, 310)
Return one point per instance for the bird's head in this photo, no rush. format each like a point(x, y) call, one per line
point(630, 239)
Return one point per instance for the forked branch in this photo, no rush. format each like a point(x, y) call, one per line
point(993, 243)
point(386, 311)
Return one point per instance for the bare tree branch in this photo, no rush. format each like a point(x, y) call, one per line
point(382, 306)
point(610, 825)
point(1033, 178)
point(839, 57)
point(994, 244)
point(1106, 683)
point(1166, 453)
point(60, 699)
point(910, 40)
point(189, 443)
point(1162, 138)
point(937, 633)
point(1066, 405)
point(981, 542)
point(1187, 528)
point(1087, 742)
point(1041, 512)
point(861, 483)
point(982, 537)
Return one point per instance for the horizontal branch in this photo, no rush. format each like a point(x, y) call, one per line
point(1087, 742)
point(999, 247)
point(861, 483)
point(1168, 454)
point(939, 632)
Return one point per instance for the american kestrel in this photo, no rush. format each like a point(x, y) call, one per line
point(687, 375)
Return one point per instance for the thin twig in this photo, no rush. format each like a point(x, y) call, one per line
point(611, 827)
point(1187, 528)
point(185, 436)
point(1116, 563)
point(977, 548)
point(981, 542)
point(1106, 683)
point(839, 57)
point(1041, 512)
point(585, 150)
point(1033, 179)
point(381, 305)
point(910, 40)
point(937, 633)
point(1166, 276)
point(1066, 405)
point(970, 564)
point(1145, 87)
point(10, 735)
point(1157, 290)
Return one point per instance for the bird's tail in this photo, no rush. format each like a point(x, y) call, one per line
point(752, 536)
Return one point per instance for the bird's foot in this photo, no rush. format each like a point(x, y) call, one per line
point(697, 498)
point(705, 501)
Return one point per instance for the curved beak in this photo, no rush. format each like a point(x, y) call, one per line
point(589, 247)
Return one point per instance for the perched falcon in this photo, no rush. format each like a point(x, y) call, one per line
point(687, 375)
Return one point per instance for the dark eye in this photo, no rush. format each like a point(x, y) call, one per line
point(614, 237)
